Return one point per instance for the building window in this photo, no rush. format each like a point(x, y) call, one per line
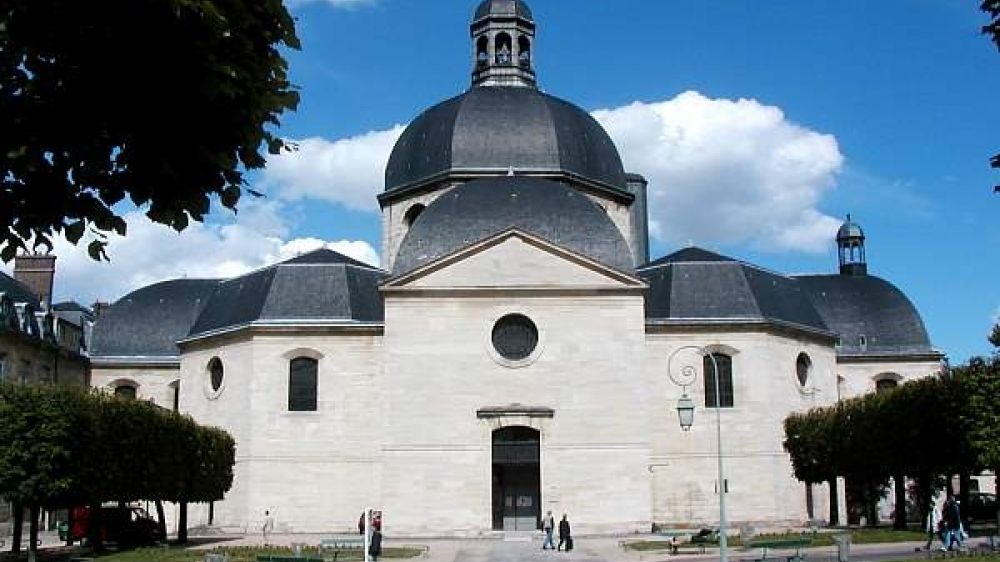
point(515, 337)
point(215, 373)
point(803, 368)
point(885, 385)
point(412, 213)
point(125, 391)
point(725, 365)
point(24, 373)
point(302, 378)
point(863, 342)
point(175, 391)
point(504, 49)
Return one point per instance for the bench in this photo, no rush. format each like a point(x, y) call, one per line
point(343, 542)
point(781, 544)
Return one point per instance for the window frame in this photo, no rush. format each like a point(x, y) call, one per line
point(296, 388)
point(727, 391)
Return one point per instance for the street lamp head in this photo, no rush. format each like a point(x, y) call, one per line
point(685, 411)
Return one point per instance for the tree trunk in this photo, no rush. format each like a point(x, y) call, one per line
point(18, 530)
point(182, 523)
point(899, 520)
point(161, 519)
point(34, 512)
point(69, 525)
point(834, 502)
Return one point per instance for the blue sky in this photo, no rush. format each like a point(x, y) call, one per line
point(757, 122)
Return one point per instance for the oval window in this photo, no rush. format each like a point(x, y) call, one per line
point(803, 366)
point(215, 373)
point(515, 337)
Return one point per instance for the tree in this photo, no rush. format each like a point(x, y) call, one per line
point(992, 29)
point(995, 335)
point(165, 103)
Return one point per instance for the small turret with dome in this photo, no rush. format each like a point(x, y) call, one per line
point(851, 248)
point(503, 34)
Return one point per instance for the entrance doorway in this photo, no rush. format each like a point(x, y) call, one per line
point(517, 492)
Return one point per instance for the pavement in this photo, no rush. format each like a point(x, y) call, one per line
point(528, 548)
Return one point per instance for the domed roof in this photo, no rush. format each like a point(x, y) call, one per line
point(856, 306)
point(515, 8)
point(489, 130)
point(479, 209)
point(849, 230)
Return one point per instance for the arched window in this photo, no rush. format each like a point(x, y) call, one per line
point(725, 365)
point(175, 396)
point(885, 385)
point(524, 51)
point(302, 377)
point(125, 391)
point(504, 48)
point(482, 51)
point(216, 373)
point(412, 213)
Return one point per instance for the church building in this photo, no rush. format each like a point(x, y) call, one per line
point(517, 351)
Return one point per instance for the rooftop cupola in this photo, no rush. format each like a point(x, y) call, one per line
point(503, 38)
point(851, 249)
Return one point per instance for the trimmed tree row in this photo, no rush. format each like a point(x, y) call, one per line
point(922, 431)
point(62, 446)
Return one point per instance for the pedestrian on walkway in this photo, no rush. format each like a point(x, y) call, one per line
point(268, 527)
point(564, 534)
point(931, 524)
point(952, 516)
point(548, 525)
point(375, 548)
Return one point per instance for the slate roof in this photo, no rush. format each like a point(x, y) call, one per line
point(490, 129)
point(696, 284)
point(870, 306)
point(482, 208)
point(516, 8)
point(17, 291)
point(321, 285)
point(147, 322)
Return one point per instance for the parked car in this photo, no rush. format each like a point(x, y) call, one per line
point(982, 507)
point(127, 525)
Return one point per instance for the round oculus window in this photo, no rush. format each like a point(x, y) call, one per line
point(215, 373)
point(515, 337)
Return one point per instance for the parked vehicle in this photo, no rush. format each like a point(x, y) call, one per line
point(982, 507)
point(127, 525)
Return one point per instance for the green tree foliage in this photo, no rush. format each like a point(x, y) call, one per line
point(992, 29)
point(162, 102)
point(63, 446)
point(995, 335)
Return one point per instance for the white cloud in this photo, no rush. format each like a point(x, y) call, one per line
point(350, 172)
point(728, 172)
point(152, 252)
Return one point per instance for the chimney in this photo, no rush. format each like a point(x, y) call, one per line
point(37, 272)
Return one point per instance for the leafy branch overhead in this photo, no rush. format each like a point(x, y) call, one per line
point(992, 29)
point(164, 103)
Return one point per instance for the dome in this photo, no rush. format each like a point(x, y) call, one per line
point(479, 209)
point(849, 230)
point(507, 8)
point(869, 309)
point(489, 130)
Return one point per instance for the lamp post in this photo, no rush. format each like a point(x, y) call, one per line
point(684, 377)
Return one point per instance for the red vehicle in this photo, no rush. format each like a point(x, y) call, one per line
point(121, 525)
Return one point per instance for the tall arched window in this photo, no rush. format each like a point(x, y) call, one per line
point(725, 365)
point(412, 213)
point(302, 377)
point(504, 47)
point(885, 385)
point(482, 51)
point(524, 51)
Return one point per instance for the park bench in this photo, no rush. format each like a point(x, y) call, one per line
point(341, 542)
point(797, 543)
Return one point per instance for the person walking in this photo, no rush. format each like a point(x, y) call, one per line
point(932, 524)
point(375, 548)
point(952, 516)
point(548, 525)
point(268, 527)
point(564, 534)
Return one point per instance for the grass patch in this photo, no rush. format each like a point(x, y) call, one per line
point(858, 536)
point(241, 554)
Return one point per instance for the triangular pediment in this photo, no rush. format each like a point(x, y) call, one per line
point(516, 260)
